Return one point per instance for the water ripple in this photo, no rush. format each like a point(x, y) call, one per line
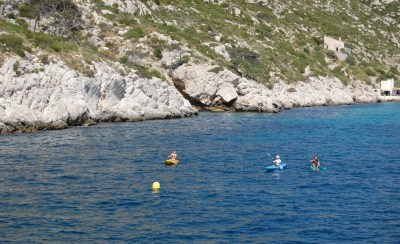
point(93, 184)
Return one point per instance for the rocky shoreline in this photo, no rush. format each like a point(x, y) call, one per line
point(36, 96)
point(388, 99)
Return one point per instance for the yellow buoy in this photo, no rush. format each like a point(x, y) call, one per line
point(156, 185)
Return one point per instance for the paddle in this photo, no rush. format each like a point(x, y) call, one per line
point(323, 168)
point(270, 157)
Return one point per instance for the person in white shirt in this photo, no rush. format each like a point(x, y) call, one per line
point(173, 155)
point(277, 160)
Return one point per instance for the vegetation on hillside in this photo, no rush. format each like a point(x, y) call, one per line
point(264, 40)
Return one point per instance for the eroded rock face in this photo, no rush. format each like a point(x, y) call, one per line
point(209, 89)
point(34, 97)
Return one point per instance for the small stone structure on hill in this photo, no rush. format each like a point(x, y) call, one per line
point(336, 45)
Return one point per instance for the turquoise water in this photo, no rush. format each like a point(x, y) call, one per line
point(93, 184)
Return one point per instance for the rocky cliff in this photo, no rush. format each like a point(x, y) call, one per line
point(34, 96)
point(82, 62)
point(227, 91)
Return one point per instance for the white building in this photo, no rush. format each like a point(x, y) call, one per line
point(387, 87)
point(336, 45)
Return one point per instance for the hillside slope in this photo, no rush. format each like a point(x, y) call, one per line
point(229, 55)
point(257, 39)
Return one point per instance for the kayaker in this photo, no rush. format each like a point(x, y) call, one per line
point(173, 155)
point(315, 162)
point(277, 160)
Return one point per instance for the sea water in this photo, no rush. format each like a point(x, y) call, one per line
point(93, 184)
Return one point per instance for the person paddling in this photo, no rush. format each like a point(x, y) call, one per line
point(173, 155)
point(277, 161)
point(315, 162)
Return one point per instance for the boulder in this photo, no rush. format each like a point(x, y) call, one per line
point(227, 92)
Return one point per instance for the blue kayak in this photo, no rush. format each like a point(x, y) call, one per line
point(274, 167)
point(323, 168)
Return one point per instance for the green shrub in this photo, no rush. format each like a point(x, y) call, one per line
point(145, 72)
point(158, 53)
point(243, 53)
point(216, 69)
point(135, 33)
point(224, 39)
point(46, 41)
point(381, 71)
point(320, 57)
point(224, 5)
point(27, 11)
point(318, 41)
point(299, 65)
point(337, 72)
point(265, 31)
point(12, 43)
point(351, 60)
point(388, 75)
point(331, 54)
point(108, 16)
point(22, 23)
point(263, 16)
point(45, 59)
point(15, 66)
point(370, 72)
point(16, 69)
point(359, 73)
point(114, 8)
point(126, 20)
point(168, 29)
point(394, 70)
point(104, 29)
point(124, 59)
point(110, 44)
point(185, 59)
point(155, 42)
point(10, 16)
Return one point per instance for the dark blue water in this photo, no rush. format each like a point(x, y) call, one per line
point(93, 184)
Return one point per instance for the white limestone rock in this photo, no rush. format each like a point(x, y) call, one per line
point(221, 50)
point(57, 96)
point(227, 92)
point(211, 89)
point(133, 6)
